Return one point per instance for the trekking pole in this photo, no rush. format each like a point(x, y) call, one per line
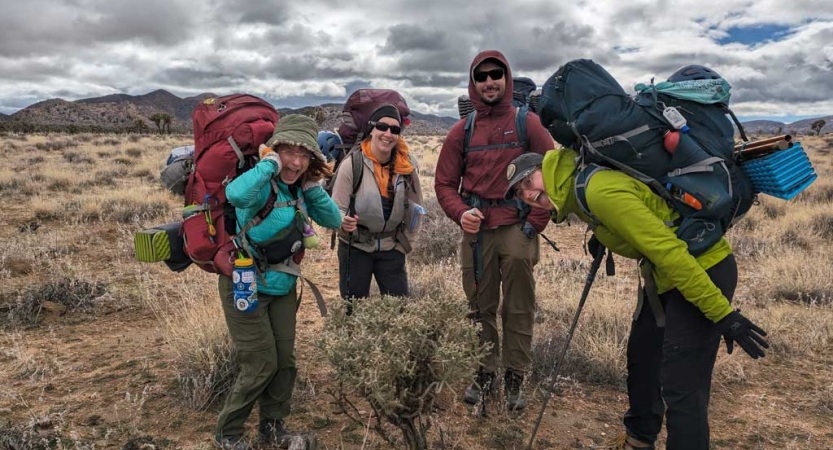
point(351, 211)
point(477, 257)
point(591, 276)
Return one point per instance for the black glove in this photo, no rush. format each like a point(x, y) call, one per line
point(529, 230)
point(736, 328)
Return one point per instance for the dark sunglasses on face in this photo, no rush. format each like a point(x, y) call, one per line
point(382, 126)
point(494, 74)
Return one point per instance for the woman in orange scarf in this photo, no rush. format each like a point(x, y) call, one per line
point(380, 221)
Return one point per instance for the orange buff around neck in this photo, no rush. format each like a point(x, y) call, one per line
point(401, 164)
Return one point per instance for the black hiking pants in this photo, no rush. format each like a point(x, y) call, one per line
point(388, 267)
point(675, 364)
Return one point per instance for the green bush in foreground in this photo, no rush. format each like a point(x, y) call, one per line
point(398, 354)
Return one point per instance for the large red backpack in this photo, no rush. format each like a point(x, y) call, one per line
point(227, 133)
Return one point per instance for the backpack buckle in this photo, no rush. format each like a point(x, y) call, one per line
point(226, 181)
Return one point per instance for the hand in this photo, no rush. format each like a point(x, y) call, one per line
point(309, 184)
point(470, 221)
point(529, 230)
point(268, 153)
point(736, 328)
point(349, 224)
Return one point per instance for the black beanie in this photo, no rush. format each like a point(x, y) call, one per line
point(386, 110)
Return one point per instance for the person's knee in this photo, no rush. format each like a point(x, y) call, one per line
point(286, 354)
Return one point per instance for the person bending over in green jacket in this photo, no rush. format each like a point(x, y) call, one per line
point(672, 363)
point(290, 168)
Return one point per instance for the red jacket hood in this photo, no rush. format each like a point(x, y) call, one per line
point(506, 101)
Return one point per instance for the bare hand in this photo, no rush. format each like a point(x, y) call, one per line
point(349, 224)
point(471, 220)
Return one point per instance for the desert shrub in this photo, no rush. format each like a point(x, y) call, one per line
point(398, 354)
point(55, 145)
point(110, 142)
point(134, 138)
point(204, 356)
point(41, 432)
point(795, 276)
point(793, 238)
point(825, 401)
point(123, 161)
point(773, 211)
point(78, 158)
point(596, 354)
point(439, 237)
point(133, 152)
point(823, 225)
point(72, 293)
point(34, 160)
point(817, 194)
point(128, 210)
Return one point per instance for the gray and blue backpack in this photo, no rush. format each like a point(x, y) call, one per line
point(586, 109)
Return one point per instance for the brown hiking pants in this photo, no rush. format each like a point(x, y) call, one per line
point(508, 259)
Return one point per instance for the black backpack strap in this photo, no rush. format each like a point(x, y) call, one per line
point(582, 178)
point(520, 126)
point(358, 172)
point(728, 111)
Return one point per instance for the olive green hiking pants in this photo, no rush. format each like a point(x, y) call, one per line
point(265, 344)
point(508, 259)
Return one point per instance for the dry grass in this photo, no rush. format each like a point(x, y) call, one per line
point(75, 203)
point(196, 333)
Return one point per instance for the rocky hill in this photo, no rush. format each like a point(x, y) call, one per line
point(421, 124)
point(122, 112)
point(801, 127)
point(4, 117)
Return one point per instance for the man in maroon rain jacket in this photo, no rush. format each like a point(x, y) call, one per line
point(509, 248)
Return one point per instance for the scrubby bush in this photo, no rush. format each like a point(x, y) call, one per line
point(72, 293)
point(398, 354)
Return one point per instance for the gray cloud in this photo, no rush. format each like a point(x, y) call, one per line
point(84, 48)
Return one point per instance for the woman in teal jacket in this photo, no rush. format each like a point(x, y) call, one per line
point(291, 165)
point(668, 365)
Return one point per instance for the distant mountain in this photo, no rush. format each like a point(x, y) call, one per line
point(120, 112)
point(801, 127)
point(421, 124)
point(111, 112)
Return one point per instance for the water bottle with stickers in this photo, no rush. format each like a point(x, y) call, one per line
point(244, 280)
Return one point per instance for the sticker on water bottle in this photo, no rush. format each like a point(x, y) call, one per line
point(235, 277)
point(242, 304)
point(248, 276)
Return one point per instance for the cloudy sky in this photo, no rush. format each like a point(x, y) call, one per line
point(777, 54)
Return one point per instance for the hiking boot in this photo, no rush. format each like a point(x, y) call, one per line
point(232, 443)
point(482, 384)
point(272, 431)
point(515, 399)
point(625, 442)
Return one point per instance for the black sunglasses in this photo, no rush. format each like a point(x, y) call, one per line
point(382, 126)
point(494, 74)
